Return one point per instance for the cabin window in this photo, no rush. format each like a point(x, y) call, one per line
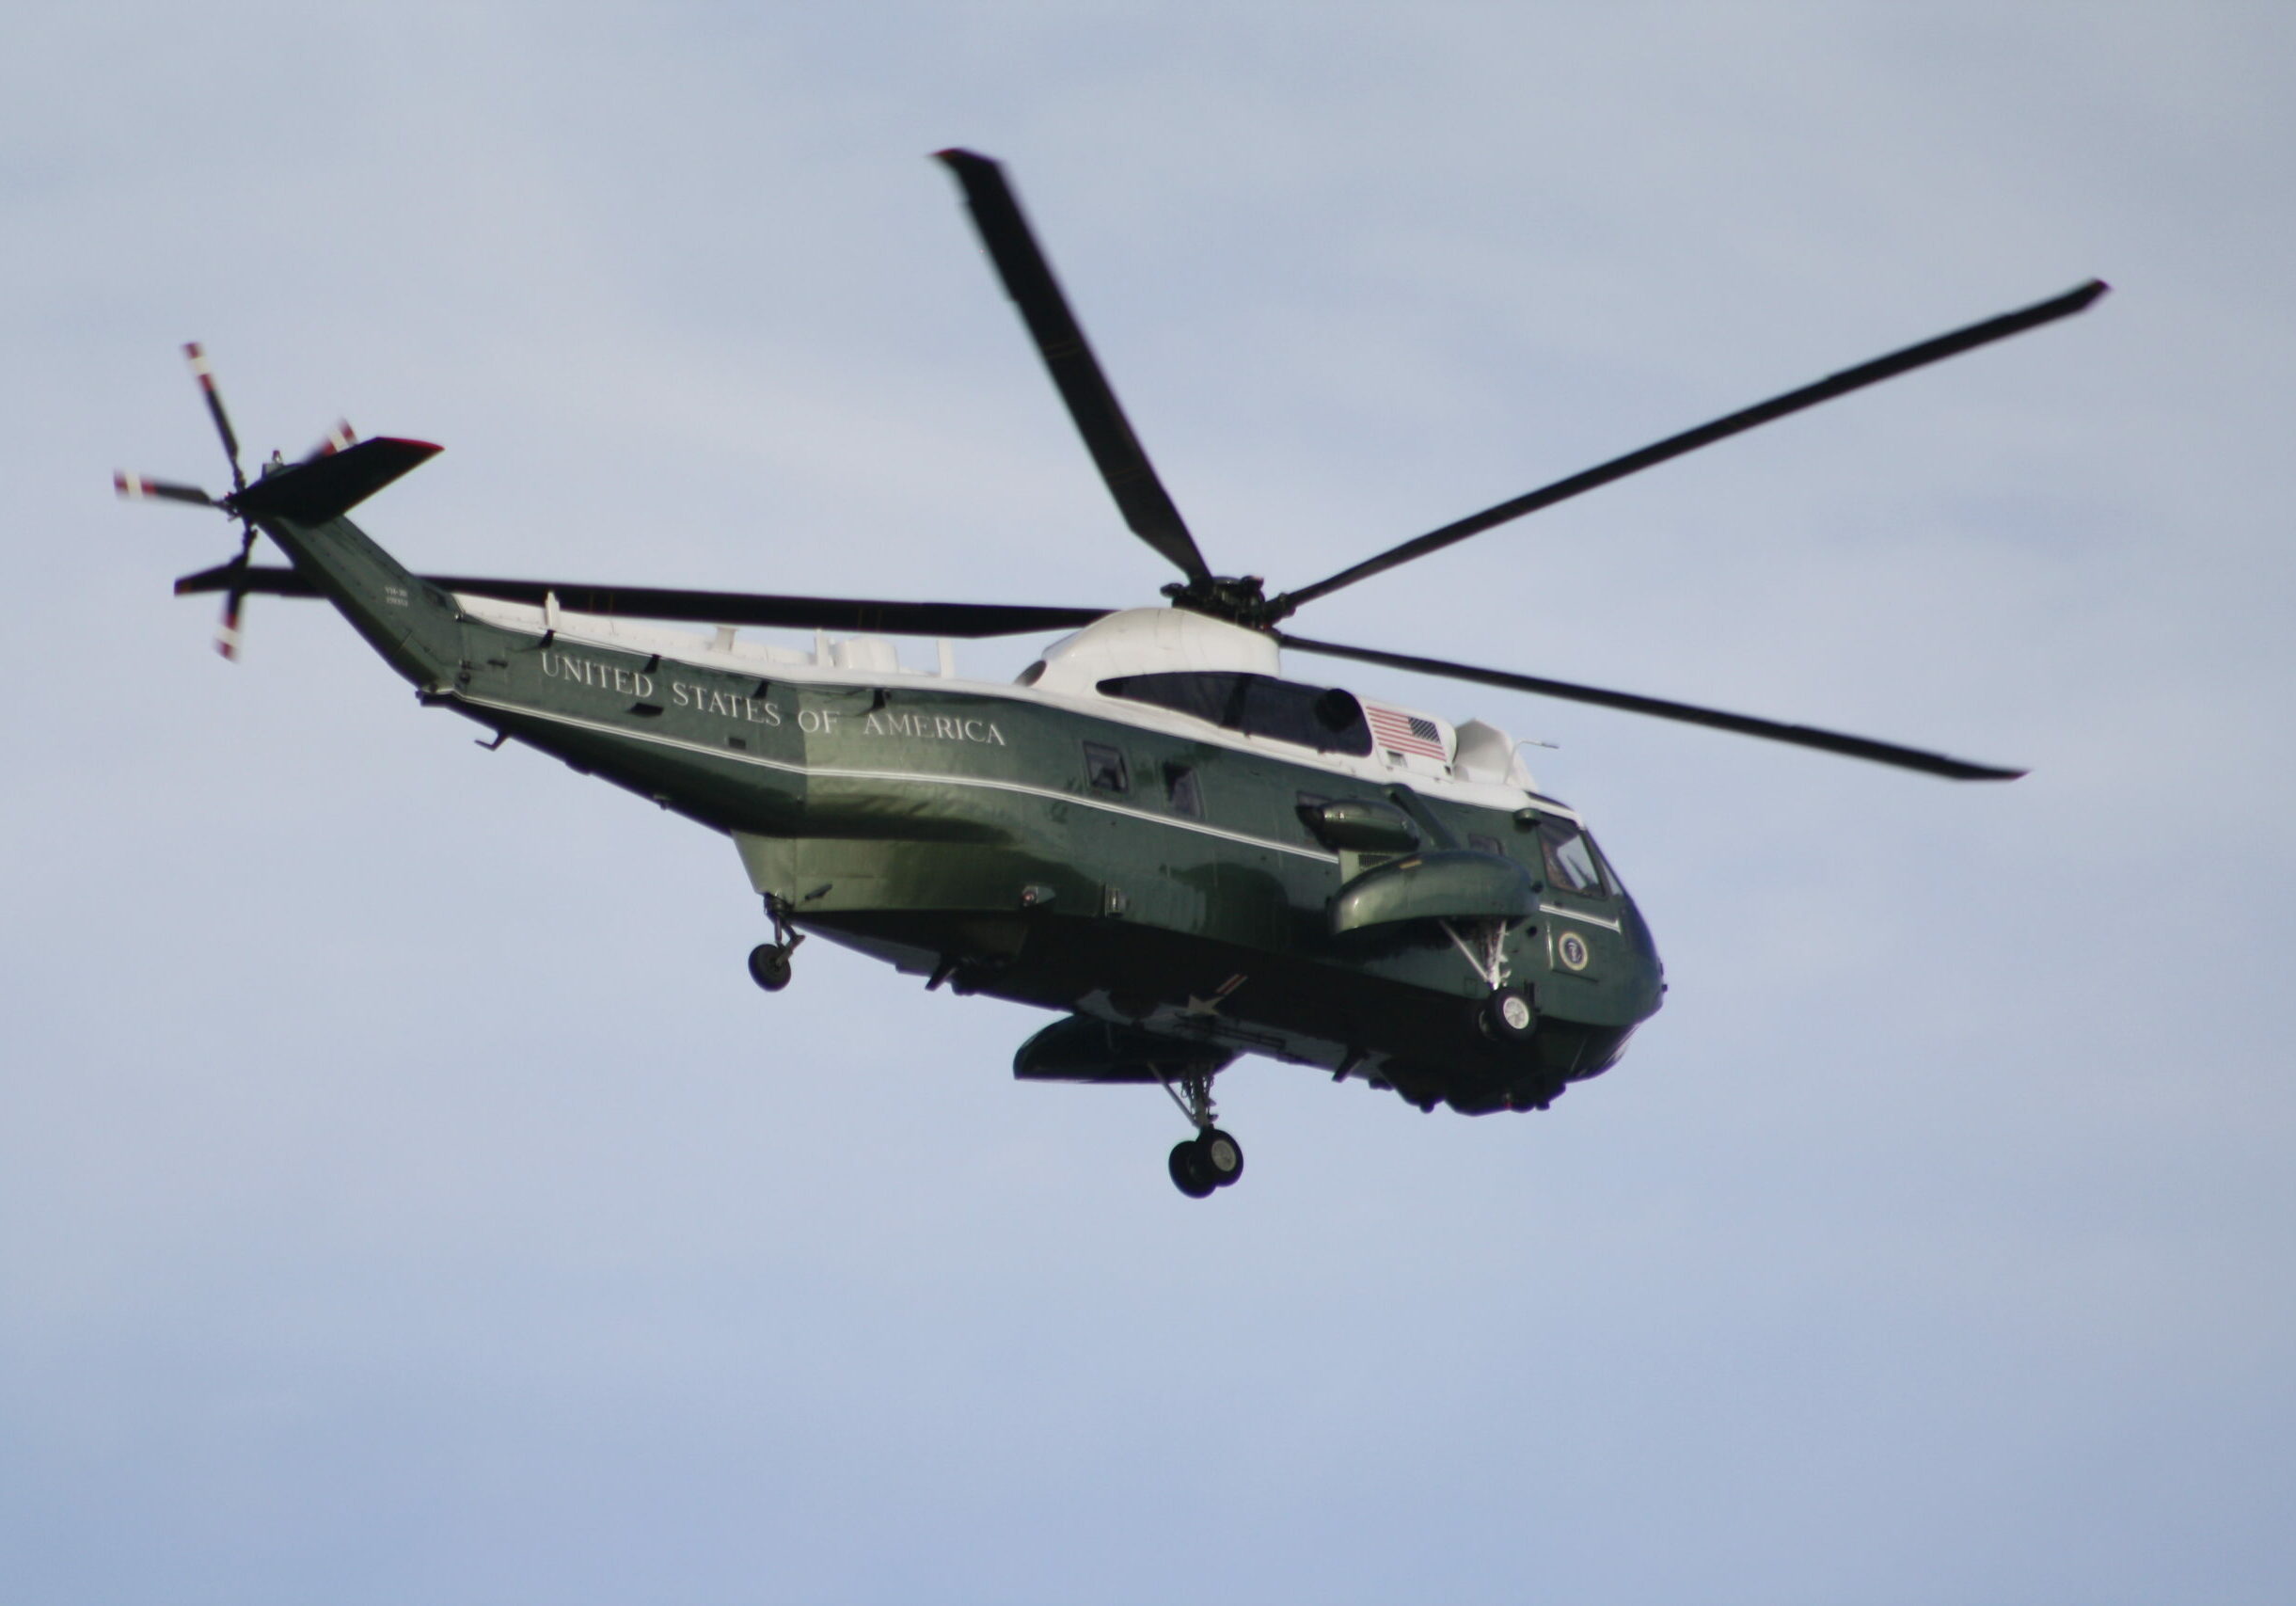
point(1181, 791)
point(1105, 769)
point(1326, 719)
point(1571, 865)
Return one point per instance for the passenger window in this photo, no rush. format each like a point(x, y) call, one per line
point(1180, 791)
point(1326, 719)
point(1569, 857)
point(1105, 769)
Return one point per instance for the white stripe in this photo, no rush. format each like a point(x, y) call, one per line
point(615, 634)
point(1574, 915)
point(827, 773)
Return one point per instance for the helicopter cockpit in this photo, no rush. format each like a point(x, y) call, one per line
point(1572, 864)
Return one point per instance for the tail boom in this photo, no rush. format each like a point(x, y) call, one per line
point(413, 624)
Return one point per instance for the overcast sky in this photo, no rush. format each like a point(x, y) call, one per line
point(405, 1196)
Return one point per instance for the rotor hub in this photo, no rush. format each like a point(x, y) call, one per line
point(1237, 599)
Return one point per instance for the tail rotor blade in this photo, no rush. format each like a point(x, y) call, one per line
point(235, 597)
point(341, 437)
point(200, 371)
point(226, 629)
point(139, 488)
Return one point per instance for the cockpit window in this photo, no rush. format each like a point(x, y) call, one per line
point(1256, 705)
point(1571, 864)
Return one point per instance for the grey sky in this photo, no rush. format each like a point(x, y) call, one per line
point(403, 1195)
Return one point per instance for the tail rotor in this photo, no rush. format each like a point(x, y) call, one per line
point(235, 599)
point(139, 488)
point(340, 439)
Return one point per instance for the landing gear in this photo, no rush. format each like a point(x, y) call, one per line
point(1199, 1165)
point(769, 966)
point(769, 962)
point(1506, 1016)
point(1212, 1159)
point(1220, 1157)
point(1188, 1172)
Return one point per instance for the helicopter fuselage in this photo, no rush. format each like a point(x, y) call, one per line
point(1152, 830)
point(1128, 863)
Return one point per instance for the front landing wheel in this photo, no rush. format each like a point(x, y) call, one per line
point(769, 966)
point(1507, 1017)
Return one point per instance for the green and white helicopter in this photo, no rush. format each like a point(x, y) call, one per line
point(1153, 832)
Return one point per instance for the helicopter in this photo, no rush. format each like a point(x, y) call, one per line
point(1153, 832)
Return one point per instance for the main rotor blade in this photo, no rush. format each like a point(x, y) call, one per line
point(1826, 390)
point(1146, 506)
point(1689, 713)
point(966, 619)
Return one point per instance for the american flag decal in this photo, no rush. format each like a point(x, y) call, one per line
point(1400, 732)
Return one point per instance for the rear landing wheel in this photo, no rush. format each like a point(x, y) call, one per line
point(1212, 1159)
point(1220, 1157)
point(1189, 1172)
point(769, 966)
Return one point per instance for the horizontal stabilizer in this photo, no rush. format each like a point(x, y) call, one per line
point(321, 488)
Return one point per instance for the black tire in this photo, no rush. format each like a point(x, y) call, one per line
point(1188, 1172)
point(769, 966)
point(1508, 1017)
point(1219, 1157)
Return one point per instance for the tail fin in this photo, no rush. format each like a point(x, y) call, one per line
point(412, 624)
point(332, 484)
